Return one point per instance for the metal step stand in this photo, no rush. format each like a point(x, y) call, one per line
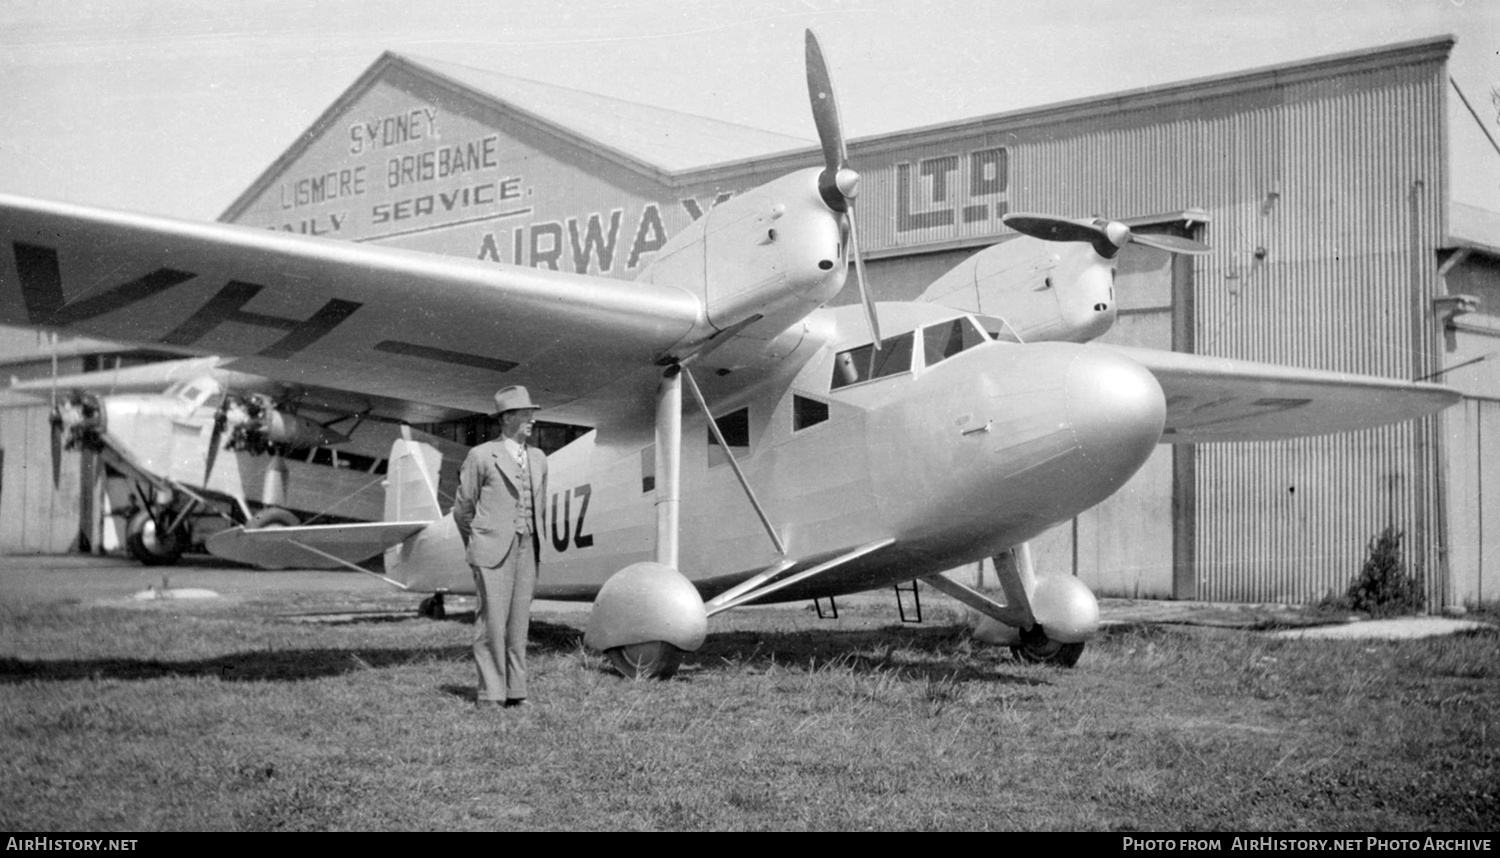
point(916, 601)
point(833, 608)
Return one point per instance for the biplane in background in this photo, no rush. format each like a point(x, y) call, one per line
point(825, 451)
point(192, 447)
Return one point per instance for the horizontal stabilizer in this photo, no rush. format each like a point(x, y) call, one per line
point(1219, 399)
point(321, 546)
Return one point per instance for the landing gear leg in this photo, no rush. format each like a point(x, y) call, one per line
point(648, 614)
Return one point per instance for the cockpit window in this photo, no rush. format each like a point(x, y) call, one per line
point(950, 338)
point(997, 328)
point(864, 363)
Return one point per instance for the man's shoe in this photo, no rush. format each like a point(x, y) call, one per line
point(489, 704)
point(517, 702)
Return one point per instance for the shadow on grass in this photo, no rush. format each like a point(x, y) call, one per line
point(289, 665)
point(910, 653)
point(939, 654)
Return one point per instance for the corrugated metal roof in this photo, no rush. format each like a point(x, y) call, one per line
point(666, 139)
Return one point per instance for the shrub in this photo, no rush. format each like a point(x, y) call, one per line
point(1383, 588)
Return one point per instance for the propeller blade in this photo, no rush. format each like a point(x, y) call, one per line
point(825, 110)
point(57, 442)
point(220, 419)
point(1052, 228)
point(55, 418)
point(1171, 243)
point(859, 275)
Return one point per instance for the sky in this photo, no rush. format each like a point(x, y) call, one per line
point(175, 106)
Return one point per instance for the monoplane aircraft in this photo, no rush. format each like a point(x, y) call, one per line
point(825, 451)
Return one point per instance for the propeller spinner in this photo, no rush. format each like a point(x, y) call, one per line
point(1106, 236)
point(839, 183)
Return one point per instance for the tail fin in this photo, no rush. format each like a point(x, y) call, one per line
point(411, 481)
point(431, 560)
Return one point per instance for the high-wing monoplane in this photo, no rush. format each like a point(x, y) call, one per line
point(823, 450)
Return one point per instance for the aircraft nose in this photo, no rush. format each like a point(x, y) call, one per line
point(1116, 410)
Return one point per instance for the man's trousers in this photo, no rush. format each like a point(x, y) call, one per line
point(502, 622)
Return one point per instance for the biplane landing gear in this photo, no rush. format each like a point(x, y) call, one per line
point(150, 539)
point(649, 660)
point(1036, 648)
point(432, 607)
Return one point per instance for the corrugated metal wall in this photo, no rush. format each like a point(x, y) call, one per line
point(1326, 223)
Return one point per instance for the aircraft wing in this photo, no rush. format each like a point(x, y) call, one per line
point(1219, 399)
point(143, 378)
point(400, 324)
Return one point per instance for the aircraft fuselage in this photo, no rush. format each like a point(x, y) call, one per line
point(956, 458)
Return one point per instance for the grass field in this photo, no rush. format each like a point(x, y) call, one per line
point(257, 714)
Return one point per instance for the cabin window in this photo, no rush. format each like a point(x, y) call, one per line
point(807, 412)
point(950, 338)
point(864, 363)
point(356, 462)
point(735, 427)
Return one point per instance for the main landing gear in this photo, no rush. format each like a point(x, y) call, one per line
point(1044, 620)
point(649, 660)
point(157, 535)
point(1036, 648)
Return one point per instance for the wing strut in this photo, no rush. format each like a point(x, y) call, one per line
point(750, 583)
point(713, 426)
point(350, 566)
point(800, 576)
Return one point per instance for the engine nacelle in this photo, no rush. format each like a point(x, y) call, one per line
point(646, 602)
point(255, 424)
point(1044, 291)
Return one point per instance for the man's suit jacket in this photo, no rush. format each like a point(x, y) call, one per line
point(488, 494)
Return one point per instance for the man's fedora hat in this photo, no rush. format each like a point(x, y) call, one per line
point(512, 398)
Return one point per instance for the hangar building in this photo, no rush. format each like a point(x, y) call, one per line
point(1352, 201)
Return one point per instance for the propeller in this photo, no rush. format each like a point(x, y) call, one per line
point(1107, 236)
point(839, 183)
point(251, 417)
point(78, 421)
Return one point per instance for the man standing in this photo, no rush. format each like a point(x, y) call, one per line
point(502, 485)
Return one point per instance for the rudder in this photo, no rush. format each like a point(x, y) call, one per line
point(411, 480)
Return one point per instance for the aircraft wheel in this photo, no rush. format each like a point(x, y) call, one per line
point(146, 544)
point(649, 660)
point(432, 607)
point(272, 516)
point(1036, 648)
